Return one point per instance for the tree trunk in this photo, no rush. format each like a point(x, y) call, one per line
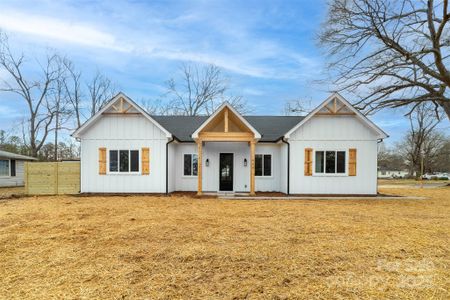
point(55, 154)
point(446, 106)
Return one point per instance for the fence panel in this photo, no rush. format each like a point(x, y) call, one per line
point(51, 178)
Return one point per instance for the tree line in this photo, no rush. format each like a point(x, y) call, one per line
point(424, 147)
point(60, 98)
point(56, 98)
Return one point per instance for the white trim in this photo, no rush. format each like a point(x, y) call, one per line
point(108, 172)
point(241, 118)
point(192, 165)
point(88, 123)
point(367, 121)
point(324, 174)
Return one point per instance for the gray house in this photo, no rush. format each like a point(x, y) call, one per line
point(12, 168)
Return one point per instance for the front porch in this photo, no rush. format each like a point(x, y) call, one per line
point(226, 126)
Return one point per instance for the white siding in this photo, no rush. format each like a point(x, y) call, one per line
point(17, 180)
point(123, 132)
point(241, 174)
point(269, 183)
point(184, 183)
point(283, 167)
point(334, 133)
point(172, 167)
point(241, 180)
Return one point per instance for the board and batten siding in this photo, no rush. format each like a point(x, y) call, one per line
point(171, 167)
point(18, 180)
point(127, 132)
point(241, 173)
point(334, 133)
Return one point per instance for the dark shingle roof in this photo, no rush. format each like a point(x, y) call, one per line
point(271, 128)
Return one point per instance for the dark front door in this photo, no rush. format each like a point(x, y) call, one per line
point(226, 172)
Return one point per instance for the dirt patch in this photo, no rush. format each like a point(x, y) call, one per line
point(11, 192)
point(181, 247)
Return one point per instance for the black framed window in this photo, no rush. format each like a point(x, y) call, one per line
point(263, 165)
point(330, 162)
point(134, 161)
point(113, 160)
point(340, 162)
point(123, 161)
point(320, 164)
point(190, 165)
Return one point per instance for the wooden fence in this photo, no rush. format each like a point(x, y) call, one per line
point(52, 178)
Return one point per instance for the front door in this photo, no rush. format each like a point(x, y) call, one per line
point(226, 172)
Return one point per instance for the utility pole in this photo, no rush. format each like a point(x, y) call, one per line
point(421, 169)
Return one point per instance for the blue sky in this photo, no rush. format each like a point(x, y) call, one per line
point(267, 48)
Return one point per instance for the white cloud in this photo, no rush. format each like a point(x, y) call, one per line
point(59, 29)
point(230, 46)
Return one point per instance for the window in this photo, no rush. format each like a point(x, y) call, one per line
point(263, 165)
point(190, 165)
point(330, 162)
point(4, 167)
point(113, 160)
point(320, 166)
point(124, 161)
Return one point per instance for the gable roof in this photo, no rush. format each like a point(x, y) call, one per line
point(335, 95)
point(111, 102)
point(271, 128)
point(10, 155)
point(235, 112)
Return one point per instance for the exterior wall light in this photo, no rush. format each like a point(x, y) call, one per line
point(245, 162)
point(207, 162)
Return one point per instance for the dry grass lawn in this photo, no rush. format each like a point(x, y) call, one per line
point(166, 248)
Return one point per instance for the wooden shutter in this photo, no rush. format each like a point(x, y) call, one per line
point(145, 161)
point(102, 161)
point(308, 161)
point(13, 167)
point(352, 162)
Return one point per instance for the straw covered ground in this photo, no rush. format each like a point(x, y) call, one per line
point(177, 247)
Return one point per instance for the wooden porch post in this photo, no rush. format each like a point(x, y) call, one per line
point(199, 168)
point(252, 167)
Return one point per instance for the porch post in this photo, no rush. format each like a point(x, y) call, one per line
point(252, 167)
point(199, 167)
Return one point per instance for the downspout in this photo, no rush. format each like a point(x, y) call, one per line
point(288, 161)
point(167, 164)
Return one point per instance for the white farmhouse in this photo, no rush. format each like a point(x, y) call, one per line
point(333, 150)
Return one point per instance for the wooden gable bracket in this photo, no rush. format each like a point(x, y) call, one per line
point(121, 108)
point(333, 111)
point(226, 120)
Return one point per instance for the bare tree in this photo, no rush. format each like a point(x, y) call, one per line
point(35, 92)
point(72, 87)
point(297, 107)
point(62, 106)
point(423, 141)
point(390, 159)
point(393, 53)
point(156, 107)
point(200, 91)
point(101, 89)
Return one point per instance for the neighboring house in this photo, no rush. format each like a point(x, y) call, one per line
point(12, 168)
point(333, 150)
point(393, 174)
